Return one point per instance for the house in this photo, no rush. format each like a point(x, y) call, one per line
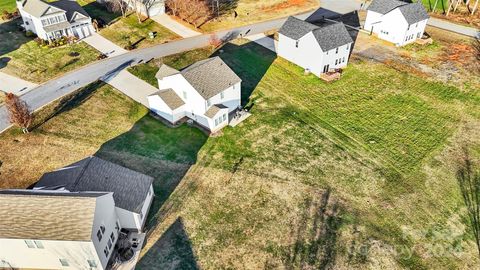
point(206, 92)
point(53, 20)
point(395, 21)
point(56, 230)
point(316, 48)
point(132, 191)
point(73, 217)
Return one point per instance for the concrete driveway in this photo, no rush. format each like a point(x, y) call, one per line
point(175, 26)
point(104, 45)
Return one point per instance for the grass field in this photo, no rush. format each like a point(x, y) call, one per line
point(8, 5)
point(129, 31)
point(22, 57)
point(358, 173)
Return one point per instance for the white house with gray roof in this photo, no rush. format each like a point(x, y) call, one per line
point(317, 48)
point(56, 229)
point(205, 92)
point(396, 21)
point(73, 216)
point(53, 20)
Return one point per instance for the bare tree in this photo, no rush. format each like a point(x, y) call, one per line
point(117, 6)
point(469, 181)
point(19, 112)
point(194, 12)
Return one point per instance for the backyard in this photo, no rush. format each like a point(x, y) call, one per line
point(353, 174)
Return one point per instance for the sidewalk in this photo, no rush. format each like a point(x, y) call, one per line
point(104, 45)
point(175, 26)
point(453, 27)
point(11, 84)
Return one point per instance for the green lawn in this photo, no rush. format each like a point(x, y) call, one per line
point(98, 11)
point(129, 31)
point(346, 175)
point(8, 5)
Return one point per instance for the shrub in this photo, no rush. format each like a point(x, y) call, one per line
point(30, 34)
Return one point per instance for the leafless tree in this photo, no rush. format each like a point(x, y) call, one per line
point(19, 112)
point(468, 177)
point(117, 6)
point(195, 12)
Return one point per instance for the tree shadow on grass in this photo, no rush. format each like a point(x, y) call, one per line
point(100, 13)
point(172, 251)
point(250, 61)
point(11, 37)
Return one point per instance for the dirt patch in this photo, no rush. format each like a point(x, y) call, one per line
point(284, 5)
point(461, 16)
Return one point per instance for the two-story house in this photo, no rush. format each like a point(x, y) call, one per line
point(205, 92)
point(53, 20)
point(73, 216)
point(396, 21)
point(316, 48)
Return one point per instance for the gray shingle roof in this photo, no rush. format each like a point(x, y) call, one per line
point(212, 111)
point(129, 188)
point(165, 71)
point(71, 7)
point(414, 13)
point(47, 215)
point(210, 76)
point(328, 35)
point(295, 28)
point(385, 6)
point(38, 7)
point(170, 98)
point(332, 35)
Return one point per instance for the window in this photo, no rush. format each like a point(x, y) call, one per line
point(117, 226)
point(112, 237)
point(344, 59)
point(348, 46)
point(64, 262)
point(408, 27)
point(336, 61)
point(224, 117)
point(109, 244)
point(92, 263)
point(38, 244)
point(336, 50)
point(99, 235)
point(29, 244)
point(105, 251)
point(222, 94)
point(184, 95)
point(102, 228)
point(208, 103)
point(216, 122)
point(296, 44)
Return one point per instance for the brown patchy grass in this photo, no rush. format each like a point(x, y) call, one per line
point(252, 11)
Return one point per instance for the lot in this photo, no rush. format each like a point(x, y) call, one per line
point(128, 31)
point(252, 11)
point(351, 174)
point(22, 57)
point(8, 5)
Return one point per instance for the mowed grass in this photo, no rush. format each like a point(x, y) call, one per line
point(8, 5)
point(294, 186)
point(128, 30)
point(252, 11)
point(22, 57)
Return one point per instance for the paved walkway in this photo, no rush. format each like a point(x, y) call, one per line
point(11, 84)
point(175, 26)
point(265, 41)
point(104, 45)
point(453, 27)
point(132, 86)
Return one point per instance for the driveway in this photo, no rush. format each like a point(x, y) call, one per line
point(175, 26)
point(104, 45)
point(12, 84)
point(137, 89)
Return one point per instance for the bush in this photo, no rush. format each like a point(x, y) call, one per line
point(6, 16)
point(30, 34)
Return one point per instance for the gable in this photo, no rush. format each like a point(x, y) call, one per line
point(52, 10)
point(77, 16)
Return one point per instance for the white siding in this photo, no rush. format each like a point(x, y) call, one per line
point(231, 98)
point(18, 255)
point(105, 215)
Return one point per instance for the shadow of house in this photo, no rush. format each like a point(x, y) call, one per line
point(154, 149)
point(11, 36)
point(250, 61)
point(100, 13)
point(172, 251)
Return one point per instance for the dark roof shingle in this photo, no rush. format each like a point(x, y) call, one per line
point(129, 187)
point(295, 28)
point(413, 12)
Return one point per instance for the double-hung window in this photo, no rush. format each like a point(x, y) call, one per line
point(39, 244)
point(29, 243)
point(222, 94)
point(63, 262)
point(336, 50)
